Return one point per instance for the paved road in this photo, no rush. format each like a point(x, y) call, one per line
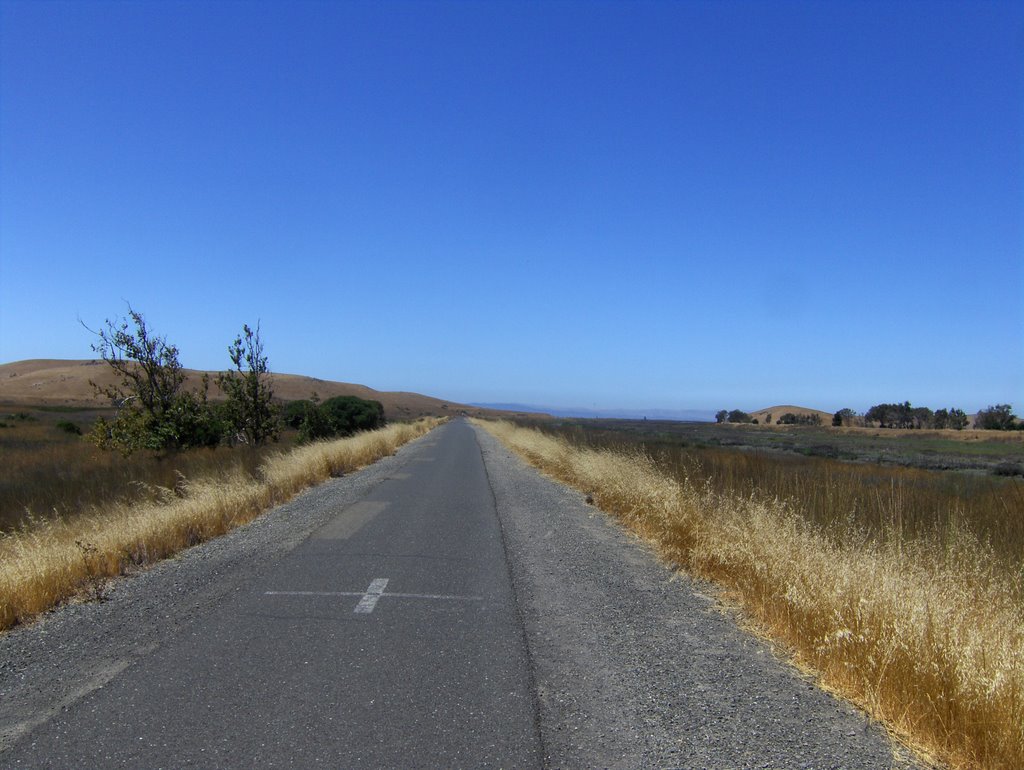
point(446, 608)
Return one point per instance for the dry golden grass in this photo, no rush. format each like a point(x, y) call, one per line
point(49, 474)
point(49, 561)
point(926, 633)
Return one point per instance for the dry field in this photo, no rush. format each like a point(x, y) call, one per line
point(913, 611)
point(46, 561)
point(49, 473)
point(983, 451)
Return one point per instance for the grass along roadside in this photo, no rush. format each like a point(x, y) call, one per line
point(54, 560)
point(926, 634)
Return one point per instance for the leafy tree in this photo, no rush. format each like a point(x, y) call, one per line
point(844, 417)
point(722, 415)
point(349, 414)
point(250, 411)
point(195, 421)
point(922, 417)
point(950, 418)
point(998, 417)
point(151, 375)
point(338, 416)
point(893, 415)
point(737, 415)
point(154, 412)
point(315, 424)
point(958, 419)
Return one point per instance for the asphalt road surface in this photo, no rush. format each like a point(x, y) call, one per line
point(447, 607)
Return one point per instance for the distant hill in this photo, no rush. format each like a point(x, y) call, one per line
point(761, 415)
point(56, 382)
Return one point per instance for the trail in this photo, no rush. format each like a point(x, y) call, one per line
point(447, 607)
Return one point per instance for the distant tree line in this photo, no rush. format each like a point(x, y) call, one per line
point(800, 419)
point(156, 412)
point(998, 417)
point(735, 415)
point(789, 418)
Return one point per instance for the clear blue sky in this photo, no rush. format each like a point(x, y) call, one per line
point(641, 205)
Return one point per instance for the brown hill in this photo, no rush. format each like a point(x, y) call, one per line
point(761, 415)
point(55, 382)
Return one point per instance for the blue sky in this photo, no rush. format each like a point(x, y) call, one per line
point(635, 205)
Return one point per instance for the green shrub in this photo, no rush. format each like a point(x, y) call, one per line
point(349, 414)
point(294, 412)
point(338, 416)
point(1009, 468)
point(69, 427)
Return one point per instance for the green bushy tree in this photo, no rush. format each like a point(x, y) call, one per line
point(338, 416)
point(249, 412)
point(843, 417)
point(950, 418)
point(998, 417)
point(958, 419)
point(349, 414)
point(154, 410)
point(314, 425)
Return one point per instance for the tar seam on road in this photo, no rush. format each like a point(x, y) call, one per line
point(520, 618)
point(11, 734)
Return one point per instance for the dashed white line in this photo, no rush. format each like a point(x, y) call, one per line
point(372, 595)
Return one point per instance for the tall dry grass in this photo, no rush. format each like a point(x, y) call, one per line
point(926, 633)
point(48, 561)
point(47, 474)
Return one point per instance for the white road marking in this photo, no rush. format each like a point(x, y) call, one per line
point(435, 596)
point(372, 595)
point(388, 595)
point(314, 593)
point(375, 593)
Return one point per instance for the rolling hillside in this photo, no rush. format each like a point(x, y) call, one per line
point(56, 382)
point(761, 415)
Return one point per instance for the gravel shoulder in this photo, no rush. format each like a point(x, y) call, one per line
point(637, 666)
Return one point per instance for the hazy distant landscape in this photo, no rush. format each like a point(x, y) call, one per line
point(695, 415)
